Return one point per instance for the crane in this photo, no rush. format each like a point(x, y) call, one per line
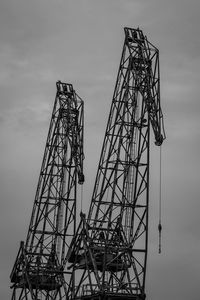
point(39, 270)
point(108, 253)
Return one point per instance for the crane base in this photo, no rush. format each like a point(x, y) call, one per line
point(110, 296)
point(37, 282)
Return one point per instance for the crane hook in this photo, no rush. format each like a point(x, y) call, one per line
point(159, 231)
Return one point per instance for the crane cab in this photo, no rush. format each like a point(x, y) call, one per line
point(100, 258)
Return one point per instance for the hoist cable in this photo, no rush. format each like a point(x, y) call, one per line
point(82, 198)
point(160, 201)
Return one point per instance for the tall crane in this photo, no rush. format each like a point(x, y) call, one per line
point(39, 271)
point(108, 254)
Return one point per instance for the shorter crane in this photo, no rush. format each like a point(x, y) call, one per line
point(39, 270)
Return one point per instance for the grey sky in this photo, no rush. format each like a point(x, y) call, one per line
point(80, 42)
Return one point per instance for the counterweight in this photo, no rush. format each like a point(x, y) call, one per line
point(108, 254)
point(39, 271)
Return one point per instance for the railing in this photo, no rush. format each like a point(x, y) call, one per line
point(125, 288)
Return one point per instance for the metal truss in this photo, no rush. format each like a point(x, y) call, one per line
point(40, 271)
point(108, 254)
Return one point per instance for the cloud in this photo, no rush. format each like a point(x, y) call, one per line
point(81, 42)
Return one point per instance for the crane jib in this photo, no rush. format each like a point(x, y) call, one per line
point(104, 256)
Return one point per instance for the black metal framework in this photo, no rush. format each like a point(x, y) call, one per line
point(108, 254)
point(40, 271)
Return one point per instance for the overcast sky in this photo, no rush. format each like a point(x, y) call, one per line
point(80, 42)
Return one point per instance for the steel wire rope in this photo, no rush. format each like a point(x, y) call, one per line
point(81, 198)
point(160, 200)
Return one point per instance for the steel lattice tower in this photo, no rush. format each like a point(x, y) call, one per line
point(39, 271)
point(108, 254)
